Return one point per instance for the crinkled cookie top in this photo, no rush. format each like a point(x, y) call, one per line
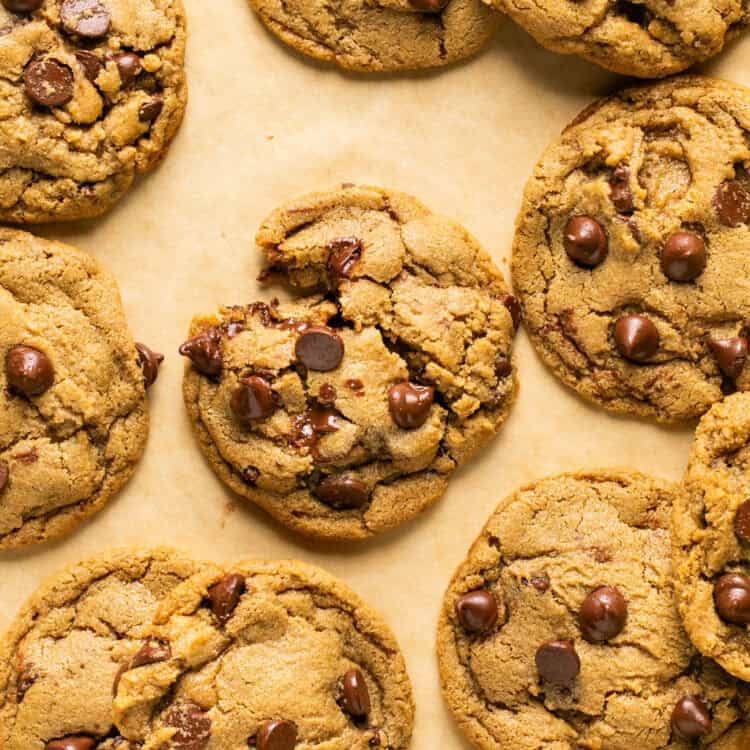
point(91, 92)
point(711, 537)
point(648, 38)
point(274, 655)
point(384, 36)
point(560, 630)
point(63, 653)
point(344, 411)
point(73, 412)
point(632, 251)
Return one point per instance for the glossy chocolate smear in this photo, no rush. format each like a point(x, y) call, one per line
point(150, 362)
point(343, 254)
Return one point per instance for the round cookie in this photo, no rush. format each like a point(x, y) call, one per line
point(647, 39)
point(711, 537)
point(274, 655)
point(385, 36)
point(560, 631)
point(93, 92)
point(344, 411)
point(632, 244)
point(61, 656)
point(73, 411)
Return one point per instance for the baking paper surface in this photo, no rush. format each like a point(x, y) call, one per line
point(265, 125)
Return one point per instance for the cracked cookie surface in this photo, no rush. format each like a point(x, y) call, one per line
point(73, 411)
point(711, 537)
point(271, 655)
point(560, 630)
point(92, 93)
point(648, 39)
point(385, 36)
point(61, 656)
point(633, 245)
point(344, 411)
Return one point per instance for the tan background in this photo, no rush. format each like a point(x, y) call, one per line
point(265, 125)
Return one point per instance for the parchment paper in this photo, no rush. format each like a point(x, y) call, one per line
point(264, 125)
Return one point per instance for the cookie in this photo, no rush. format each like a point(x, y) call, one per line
point(93, 92)
point(344, 411)
point(274, 655)
point(62, 654)
point(631, 246)
point(711, 537)
point(560, 630)
point(73, 411)
point(385, 36)
point(647, 39)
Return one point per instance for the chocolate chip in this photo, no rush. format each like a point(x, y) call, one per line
point(225, 595)
point(253, 399)
point(410, 404)
point(28, 370)
point(26, 678)
point(343, 254)
point(477, 611)
point(557, 662)
point(620, 193)
point(541, 583)
point(48, 82)
point(732, 204)
point(503, 367)
point(90, 63)
point(683, 257)
point(22, 6)
point(276, 735)
point(151, 652)
point(741, 520)
point(429, 6)
point(319, 349)
point(71, 742)
point(730, 355)
point(585, 241)
point(343, 491)
point(204, 351)
point(327, 393)
point(690, 718)
point(514, 308)
point(193, 726)
point(87, 18)
point(4, 474)
point(150, 362)
point(355, 696)
point(151, 109)
point(603, 614)
point(732, 598)
point(128, 66)
point(636, 337)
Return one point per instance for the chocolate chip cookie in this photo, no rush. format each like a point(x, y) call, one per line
point(344, 411)
point(633, 246)
point(73, 411)
point(560, 630)
point(387, 35)
point(271, 655)
point(92, 93)
point(711, 537)
point(644, 38)
point(66, 648)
